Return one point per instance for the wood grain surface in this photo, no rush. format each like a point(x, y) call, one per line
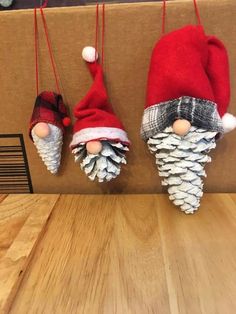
point(133, 254)
point(22, 220)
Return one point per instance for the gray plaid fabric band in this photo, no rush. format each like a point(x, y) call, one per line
point(200, 112)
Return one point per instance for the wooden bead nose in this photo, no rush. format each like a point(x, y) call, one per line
point(181, 127)
point(42, 129)
point(94, 147)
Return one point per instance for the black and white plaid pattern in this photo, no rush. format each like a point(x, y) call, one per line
point(200, 112)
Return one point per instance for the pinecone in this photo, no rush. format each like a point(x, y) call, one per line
point(180, 161)
point(49, 148)
point(104, 166)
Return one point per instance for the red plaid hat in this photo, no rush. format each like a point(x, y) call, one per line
point(49, 108)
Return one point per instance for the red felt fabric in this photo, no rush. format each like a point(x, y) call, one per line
point(95, 110)
point(218, 73)
point(186, 62)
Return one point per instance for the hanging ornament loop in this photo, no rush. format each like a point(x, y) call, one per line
point(164, 14)
point(36, 50)
point(53, 64)
point(97, 31)
point(197, 12)
point(50, 50)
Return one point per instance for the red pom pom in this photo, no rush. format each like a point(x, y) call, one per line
point(66, 121)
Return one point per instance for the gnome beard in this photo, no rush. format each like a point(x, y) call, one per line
point(49, 147)
point(103, 164)
point(180, 161)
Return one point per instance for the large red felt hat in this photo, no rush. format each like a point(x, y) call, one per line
point(188, 79)
point(95, 118)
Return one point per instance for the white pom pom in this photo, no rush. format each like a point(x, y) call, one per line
point(89, 54)
point(229, 122)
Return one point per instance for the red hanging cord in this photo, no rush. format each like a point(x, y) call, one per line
point(48, 45)
point(164, 14)
point(97, 30)
point(103, 31)
point(50, 49)
point(197, 12)
point(36, 51)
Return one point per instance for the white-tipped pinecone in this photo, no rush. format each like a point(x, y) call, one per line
point(6, 3)
point(104, 166)
point(181, 161)
point(49, 148)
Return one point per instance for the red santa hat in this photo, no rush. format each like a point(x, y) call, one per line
point(95, 118)
point(49, 108)
point(188, 79)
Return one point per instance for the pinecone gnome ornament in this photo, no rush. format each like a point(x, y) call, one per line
point(188, 94)
point(99, 141)
point(47, 127)
point(49, 117)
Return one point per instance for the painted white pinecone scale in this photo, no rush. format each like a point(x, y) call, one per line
point(6, 3)
point(181, 161)
point(104, 166)
point(49, 148)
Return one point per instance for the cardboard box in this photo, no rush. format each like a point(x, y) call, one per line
point(131, 32)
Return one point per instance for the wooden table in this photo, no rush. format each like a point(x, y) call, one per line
point(116, 254)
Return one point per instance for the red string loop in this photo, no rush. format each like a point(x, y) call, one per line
point(48, 46)
point(197, 12)
point(97, 31)
point(36, 50)
point(50, 50)
point(103, 31)
point(164, 14)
